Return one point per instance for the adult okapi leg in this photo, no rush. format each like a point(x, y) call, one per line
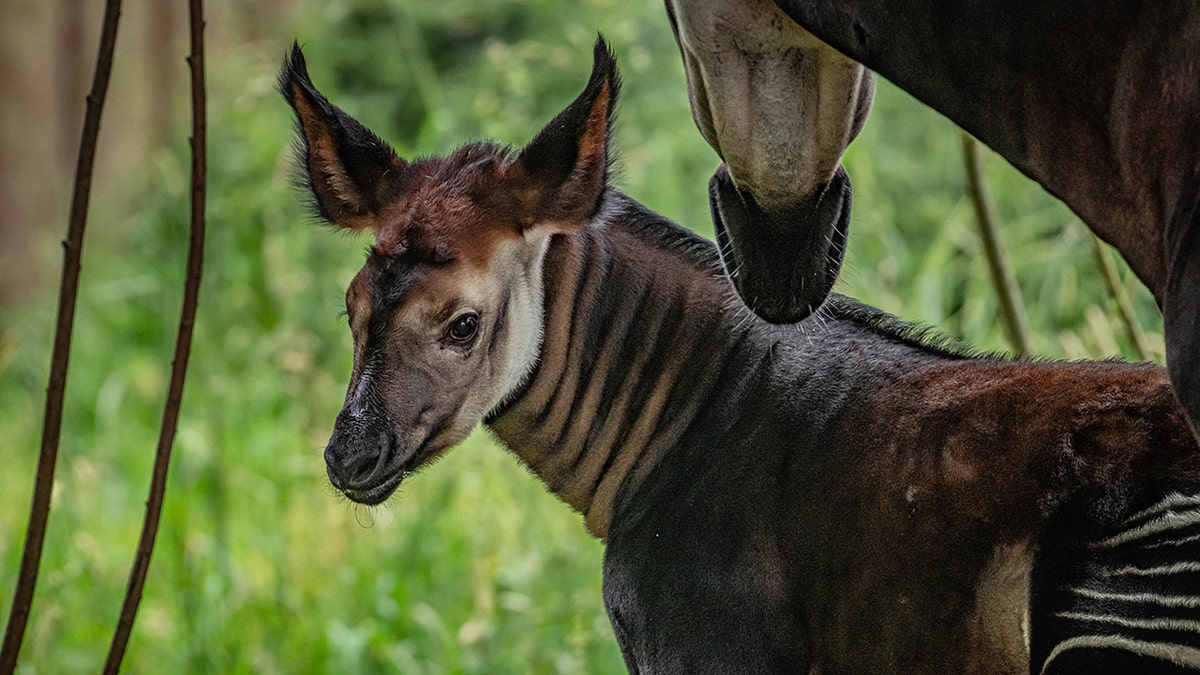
point(1181, 302)
point(1115, 584)
point(779, 107)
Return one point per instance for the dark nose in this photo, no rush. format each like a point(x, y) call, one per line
point(783, 262)
point(354, 454)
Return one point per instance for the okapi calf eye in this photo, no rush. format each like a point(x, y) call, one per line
point(462, 331)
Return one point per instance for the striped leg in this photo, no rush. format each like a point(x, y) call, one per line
point(1116, 585)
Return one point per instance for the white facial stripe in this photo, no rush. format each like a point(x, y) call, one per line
point(525, 314)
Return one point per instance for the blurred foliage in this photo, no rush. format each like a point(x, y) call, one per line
point(473, 567)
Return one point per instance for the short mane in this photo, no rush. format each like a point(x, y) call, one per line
point(660, 231)
point(924, 337)
point(657, 230)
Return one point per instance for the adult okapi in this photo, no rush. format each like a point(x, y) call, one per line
point(1097, 101)
point(843, 495)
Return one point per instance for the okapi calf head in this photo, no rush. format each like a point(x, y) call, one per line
point(446, 314)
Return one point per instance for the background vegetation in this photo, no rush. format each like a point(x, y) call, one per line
point(472, 567)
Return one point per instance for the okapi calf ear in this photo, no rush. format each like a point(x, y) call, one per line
point(562, 173)
point(351, 172)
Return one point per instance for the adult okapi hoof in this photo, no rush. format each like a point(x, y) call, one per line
point(782, 262)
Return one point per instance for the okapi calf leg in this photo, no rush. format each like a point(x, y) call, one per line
point(1116, 584)
point(779, 107)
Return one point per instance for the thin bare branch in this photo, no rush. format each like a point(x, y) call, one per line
point(183, 345)
point(1116, 290)
point(1012, 306)
point(39, 512)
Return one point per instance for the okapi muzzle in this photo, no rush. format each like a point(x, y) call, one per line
point(370, 450)
point(780, 107)
point(384, 432)
point(783, 262)
point(363, 457)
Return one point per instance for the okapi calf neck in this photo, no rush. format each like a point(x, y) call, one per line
point(842, 495)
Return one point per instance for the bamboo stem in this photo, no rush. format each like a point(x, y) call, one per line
point(1116, 290)
point(18, 618)
point(183, 344)
point(1012, 306)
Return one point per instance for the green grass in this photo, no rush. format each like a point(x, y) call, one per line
point(472, 567)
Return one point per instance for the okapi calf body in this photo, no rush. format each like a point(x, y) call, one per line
point(842, 495)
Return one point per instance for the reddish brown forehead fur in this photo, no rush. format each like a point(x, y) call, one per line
point(450, 208)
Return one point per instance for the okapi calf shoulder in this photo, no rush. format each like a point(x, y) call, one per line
point(842, 495)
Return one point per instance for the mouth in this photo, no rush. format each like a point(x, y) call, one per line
point(382, 482)
point(782, 262)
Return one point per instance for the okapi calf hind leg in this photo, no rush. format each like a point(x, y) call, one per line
point(779, 107)
point(1116, 584)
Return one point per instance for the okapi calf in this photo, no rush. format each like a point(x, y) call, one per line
point(843, 495)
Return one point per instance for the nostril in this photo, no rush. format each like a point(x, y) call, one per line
point(387, 448)
point(362, 466)
point(348, 465)
point(333, 467)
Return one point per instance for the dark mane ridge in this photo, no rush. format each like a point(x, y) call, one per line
point(658, 230)
point(927, 338)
